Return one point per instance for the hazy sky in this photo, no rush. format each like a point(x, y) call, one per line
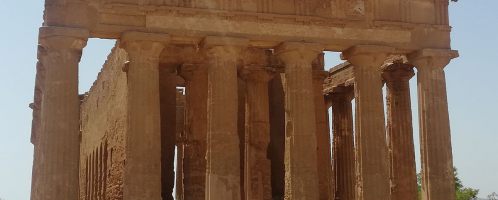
point(472, 91)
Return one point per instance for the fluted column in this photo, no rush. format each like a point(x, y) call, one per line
point(257, 170)
point(371, 146)
point(56, 174)
point(400, 132)
point(167, 93)
point(344, 158)
point(324, 163)
point(194, 161)
point(223, 152)
point(301, 171)
point(142, 175)
point(435, 140)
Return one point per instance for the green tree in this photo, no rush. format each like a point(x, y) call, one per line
point(462, 193)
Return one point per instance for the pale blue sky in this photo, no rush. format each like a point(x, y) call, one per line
point(472, 91)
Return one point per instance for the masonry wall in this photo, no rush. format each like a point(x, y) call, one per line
point(103, 130)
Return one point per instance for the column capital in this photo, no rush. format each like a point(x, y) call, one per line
point(224, 47)
point(319, 62)
point(257, 73)
point(51, 37)
point(292, 52)
point(320, 75)
point(432, 58)
point(187, 70)
point(144, 45)
point(257, 57)
point(341, 92)
point(398, 72)
point(367, 55)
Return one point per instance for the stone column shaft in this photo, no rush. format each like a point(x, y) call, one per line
point(371, 145)
point(167, 91)
point(257, 169)
point(57, 151)
point(344, 158)
point(301, 171)
point(435, 140)
point(322, 137)
point(400, 132)
point(194, 162)
point(223, 149)
point(142, 176)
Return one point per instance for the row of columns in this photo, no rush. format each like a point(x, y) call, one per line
point(367, 148)
point(212, 153)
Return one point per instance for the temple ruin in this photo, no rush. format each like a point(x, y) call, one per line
point(237, 92)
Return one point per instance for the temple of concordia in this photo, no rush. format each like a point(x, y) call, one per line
point(238, 88)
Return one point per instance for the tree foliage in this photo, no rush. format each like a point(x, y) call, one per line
point(462, 193)
point(493, 196)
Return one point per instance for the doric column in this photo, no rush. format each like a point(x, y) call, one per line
point(167, 92)
point(324, 163)
point(371, 146)
point(344, 158)
point(400, 131)
point(257, 170)
point(223, 151)
point(194, 161)
point(142, 176)
point(435, 140)
point(56, 166)
point(301, 174)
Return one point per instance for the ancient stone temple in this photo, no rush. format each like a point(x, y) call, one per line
point(229, 100)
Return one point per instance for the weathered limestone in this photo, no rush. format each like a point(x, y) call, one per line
point(142, 178)
point(57, 155)
point(324, 163)
point(257, 170)
point(301, 171)
point(435, 140)
point(194, 162)
point(167, 93)
point(243, 137)
point(343, 146)
point(400, 131)
point(371, 146)
point(223, 152)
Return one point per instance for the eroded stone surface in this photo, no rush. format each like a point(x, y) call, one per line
point(255, 123)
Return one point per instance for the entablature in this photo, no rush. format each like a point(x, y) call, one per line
point(337, 24)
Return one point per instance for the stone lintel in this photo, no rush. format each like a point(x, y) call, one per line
point(366, 49)
point(339, 76)
point(213, 41)
point(54, 31)
point(144, 36)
